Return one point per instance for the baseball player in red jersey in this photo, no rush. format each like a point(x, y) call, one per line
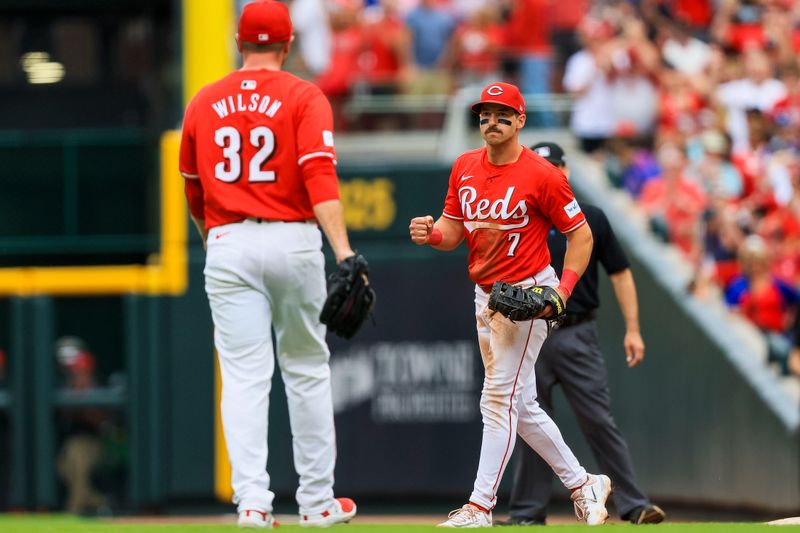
point(503, 199)
point(257, 154)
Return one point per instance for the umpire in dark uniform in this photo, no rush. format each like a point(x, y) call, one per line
point(571, 357)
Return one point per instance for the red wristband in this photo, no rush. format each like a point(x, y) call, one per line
point(435, 237)
point(568, 280)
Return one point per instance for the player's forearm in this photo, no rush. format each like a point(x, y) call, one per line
point(579, 249)
point(330, 216)
point(452, 234)
point(625, 291)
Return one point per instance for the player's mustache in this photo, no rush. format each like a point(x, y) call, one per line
point(493, 129)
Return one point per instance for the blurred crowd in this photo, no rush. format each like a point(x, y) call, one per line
point(693, 106)
point(695, 109)
point(433, 47)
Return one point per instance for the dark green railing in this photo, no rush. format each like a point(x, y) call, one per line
point(32, 400)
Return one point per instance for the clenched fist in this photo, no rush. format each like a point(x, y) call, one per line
point(420, 229)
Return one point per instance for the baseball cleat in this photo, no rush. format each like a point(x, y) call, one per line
point(468, 516)
point(250, 518)
point(649, 514)
point(590, 500)
point(342, 511)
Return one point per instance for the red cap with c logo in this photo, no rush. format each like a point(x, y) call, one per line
point(501, 93)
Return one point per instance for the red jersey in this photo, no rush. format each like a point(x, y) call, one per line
point(246, 136)
point(507, 213)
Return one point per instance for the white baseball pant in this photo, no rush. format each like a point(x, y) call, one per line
point(508, 399)
point(259, 275)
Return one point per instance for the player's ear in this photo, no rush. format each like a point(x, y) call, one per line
point(238, 42)
point(288, 44)
point(521, 120)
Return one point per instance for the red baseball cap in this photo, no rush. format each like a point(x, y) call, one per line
point(501, 93)
point(265, 22)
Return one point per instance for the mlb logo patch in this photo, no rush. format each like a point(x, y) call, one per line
point(263, 37)
point(572, 209)
point(249, 85)
point(543, 151)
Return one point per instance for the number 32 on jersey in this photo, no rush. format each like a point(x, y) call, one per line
point(230, 140)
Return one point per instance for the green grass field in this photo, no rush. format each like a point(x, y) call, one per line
point(63, 524)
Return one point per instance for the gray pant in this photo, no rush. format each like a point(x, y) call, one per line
point(571, 357)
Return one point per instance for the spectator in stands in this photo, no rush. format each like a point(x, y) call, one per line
point(757, 90)
point(564, 23)
point(682, 108)
point(342, 70)
point(686, 54)
point(81, 451)
point(771, 26)
point(710, 166)
point(631, 164)
point(724, 234)
point(431, 28)
point(385, 58)
point(785, 114)
point(528, 43)
point(737, 25)
point(674, 203)
point(586, 77)
point(694, 15)
point(313, 32)
point(475, 49)
point(634, 62)
point(767, 301)
point(752, 160)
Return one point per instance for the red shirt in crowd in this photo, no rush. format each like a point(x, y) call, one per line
point(569, 14)
point(343, 69)
point(528, 29)
point(477, 50)
point(765, 306)
point(378, 61)
point(681, 203)
point(697, 13)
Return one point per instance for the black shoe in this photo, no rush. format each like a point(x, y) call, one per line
point(516, 521)
point(648, 514)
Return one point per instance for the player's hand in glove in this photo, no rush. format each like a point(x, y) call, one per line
point(518, 304)
point(350, 298)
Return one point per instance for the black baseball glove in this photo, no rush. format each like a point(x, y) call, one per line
point(350, 298)
point(518, 304)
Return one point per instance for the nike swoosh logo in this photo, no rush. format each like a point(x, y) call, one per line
point(220, 235)
point(466, 177)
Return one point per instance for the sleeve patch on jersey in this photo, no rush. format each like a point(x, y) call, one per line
point(327, 137)
point(572, 209)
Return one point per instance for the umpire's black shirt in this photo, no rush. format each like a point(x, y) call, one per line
point(606, 249)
